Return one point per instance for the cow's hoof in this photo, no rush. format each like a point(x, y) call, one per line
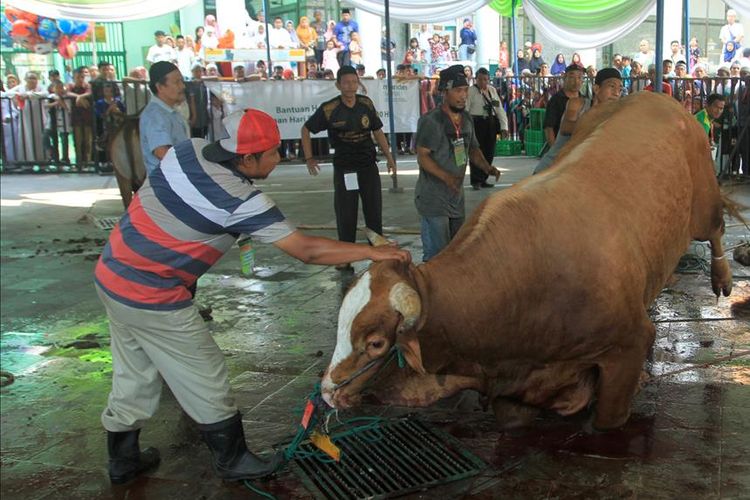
point(604, 422)
point(511, 415)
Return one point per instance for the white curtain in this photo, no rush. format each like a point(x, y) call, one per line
point(743, 13)
point(100, 10)
point(589, 37)
point(423, 11)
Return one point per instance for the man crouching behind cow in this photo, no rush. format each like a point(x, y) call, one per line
point(578, 253)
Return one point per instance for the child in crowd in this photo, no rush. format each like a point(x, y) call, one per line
point(330, 62)
point(355, 49)
point(58, 126)
point(695, 53)
point(110, 110)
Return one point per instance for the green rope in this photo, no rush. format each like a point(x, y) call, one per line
point(258, 491)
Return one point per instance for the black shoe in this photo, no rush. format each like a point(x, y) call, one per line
point(486, 185)
point(232, 460)
point(126, 461)
point(475, 186)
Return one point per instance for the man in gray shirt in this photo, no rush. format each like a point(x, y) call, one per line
point(161, 123)
point(445, 140)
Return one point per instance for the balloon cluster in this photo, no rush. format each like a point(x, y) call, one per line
point(41, 34)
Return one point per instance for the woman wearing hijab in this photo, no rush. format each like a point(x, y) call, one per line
point(558, 67)
point(576, 59)
point(521, 61)
point(730, 52)
point(292, 33)
point(307, 37)
point(535, 65)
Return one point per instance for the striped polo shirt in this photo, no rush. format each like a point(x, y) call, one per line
point(188, 213)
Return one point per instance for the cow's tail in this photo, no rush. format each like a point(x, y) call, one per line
point(733, 209)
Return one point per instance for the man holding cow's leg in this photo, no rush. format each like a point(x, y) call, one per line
point(188, 213)
point(445, 140)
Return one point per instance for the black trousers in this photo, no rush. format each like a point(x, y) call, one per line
point(346, 203)
point(486, 136)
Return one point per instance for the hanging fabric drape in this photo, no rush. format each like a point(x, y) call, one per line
point(742, 7)
point(586, 25)
point(427, 11)
point(99, 10)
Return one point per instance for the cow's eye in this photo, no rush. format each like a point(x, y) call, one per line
point(377, 344)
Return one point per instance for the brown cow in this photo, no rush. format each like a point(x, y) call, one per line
point(541, 299)
point(124, 150)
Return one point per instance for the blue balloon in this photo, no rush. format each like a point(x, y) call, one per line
point(7, 26)
point(48, 30)
point(6, 41)
point(79, 28)
point(66, 26)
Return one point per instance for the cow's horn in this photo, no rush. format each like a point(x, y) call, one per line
point(375, 238)
point(406, 301)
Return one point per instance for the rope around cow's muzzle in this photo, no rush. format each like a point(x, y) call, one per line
point(394, 351)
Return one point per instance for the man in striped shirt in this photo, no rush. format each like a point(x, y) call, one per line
point(188, 213)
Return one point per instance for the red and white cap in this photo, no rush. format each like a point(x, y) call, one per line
point(250, 131)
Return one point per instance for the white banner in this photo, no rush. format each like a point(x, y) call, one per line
point(248, 55)
point(292, 102)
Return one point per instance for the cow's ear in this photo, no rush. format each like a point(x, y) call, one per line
point(408, 342)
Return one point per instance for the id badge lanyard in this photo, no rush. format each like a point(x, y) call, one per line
point(459, 148)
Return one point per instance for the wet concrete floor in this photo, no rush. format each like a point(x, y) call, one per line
point(688, 437)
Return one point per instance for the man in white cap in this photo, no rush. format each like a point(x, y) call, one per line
point(186, 216)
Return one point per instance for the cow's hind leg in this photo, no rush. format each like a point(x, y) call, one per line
point(721, 275)
point(126, 188)
point(619, 376)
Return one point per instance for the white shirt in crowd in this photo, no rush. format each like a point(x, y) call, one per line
point(280, 38)
point(424, 37)
point(731, 32)
point(185, 60)
point(163, 53)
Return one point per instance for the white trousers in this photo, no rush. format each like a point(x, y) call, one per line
point(174, 345)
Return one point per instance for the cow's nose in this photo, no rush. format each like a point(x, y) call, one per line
point(328, 398)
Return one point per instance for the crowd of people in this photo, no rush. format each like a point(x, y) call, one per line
point(85, 104)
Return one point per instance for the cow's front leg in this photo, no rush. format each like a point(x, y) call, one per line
point(408, 388)
point(619, 377)
point(721, 275)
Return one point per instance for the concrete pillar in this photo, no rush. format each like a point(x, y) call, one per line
point(370, 26)
point(487, 26)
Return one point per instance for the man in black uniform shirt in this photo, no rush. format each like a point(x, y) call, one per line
point(351, 121)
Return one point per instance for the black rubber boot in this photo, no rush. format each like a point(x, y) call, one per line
point(232, 460)
point(126, 460)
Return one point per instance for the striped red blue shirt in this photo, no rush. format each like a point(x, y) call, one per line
point(188, 213)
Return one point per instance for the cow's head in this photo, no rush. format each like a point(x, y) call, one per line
point(381, 310)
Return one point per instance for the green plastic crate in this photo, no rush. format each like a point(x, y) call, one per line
point(536, 118)
point(508, 148)
point(531, 135)
point(534, 148)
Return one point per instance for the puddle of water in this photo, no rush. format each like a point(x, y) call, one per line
point(20, 352)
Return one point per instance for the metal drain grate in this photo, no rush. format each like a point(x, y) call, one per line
point(393, 459)
point(106, 223)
